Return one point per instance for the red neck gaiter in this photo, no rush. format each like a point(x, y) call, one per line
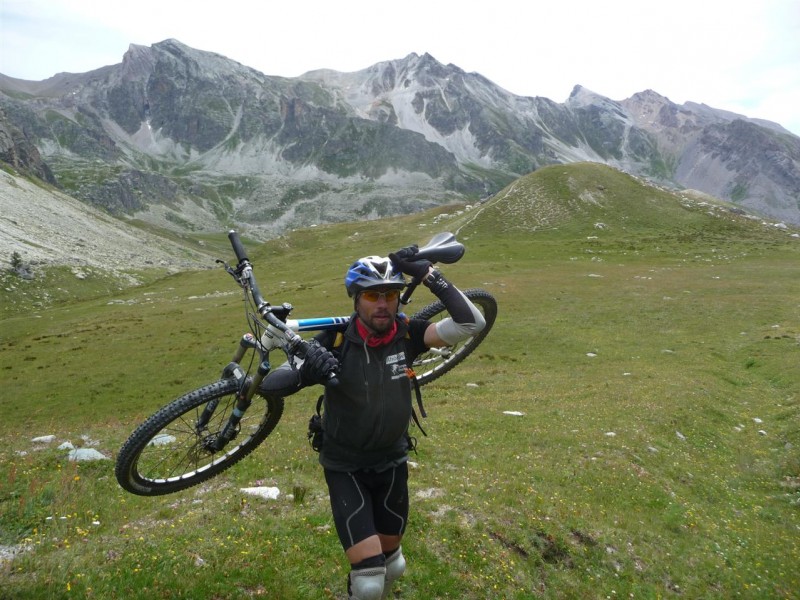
point(373, 339)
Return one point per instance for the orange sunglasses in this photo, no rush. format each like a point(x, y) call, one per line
point(374, 296)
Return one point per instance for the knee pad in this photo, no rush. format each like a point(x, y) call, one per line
point(367, 583)
point(395, 567)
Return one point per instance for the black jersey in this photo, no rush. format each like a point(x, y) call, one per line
point(366, 416)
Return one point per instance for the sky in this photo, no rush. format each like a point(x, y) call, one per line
point(738, 56)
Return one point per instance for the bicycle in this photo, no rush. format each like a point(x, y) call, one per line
point(208, 430)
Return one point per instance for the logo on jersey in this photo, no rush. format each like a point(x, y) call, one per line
point(397, 364)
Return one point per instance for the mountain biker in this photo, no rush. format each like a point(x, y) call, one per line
point(366, 415)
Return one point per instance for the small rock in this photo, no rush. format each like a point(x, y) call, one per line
point(7, 553)
point(762, 432)
point(85, 454)
point(265, 492)
point(66, 446)
point(513, 413)
point(756, 420)
point(162, 439)
point(680, 436)
point(43, 439)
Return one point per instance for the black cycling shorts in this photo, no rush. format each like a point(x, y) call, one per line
point(366, 503)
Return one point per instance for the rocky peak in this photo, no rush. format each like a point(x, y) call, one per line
point(430, 72)
point(202, 64)
point(582, 98)
point(651, 110)
point(649, 97)
point(137, 62)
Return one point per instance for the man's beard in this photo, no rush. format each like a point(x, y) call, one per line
point(381, 326)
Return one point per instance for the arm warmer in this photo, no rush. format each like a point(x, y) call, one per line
point(286, 380)
point(281, 382)
point(465, 319)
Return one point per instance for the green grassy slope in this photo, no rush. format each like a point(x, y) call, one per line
point(650, 342)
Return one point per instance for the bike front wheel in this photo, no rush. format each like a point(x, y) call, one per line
point(436, 362)
point(170, 452)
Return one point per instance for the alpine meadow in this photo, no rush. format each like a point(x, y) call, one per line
point(630, 428)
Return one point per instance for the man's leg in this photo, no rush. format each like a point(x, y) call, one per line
point(351, 504)
point(366, 579)
point(395, 566)
point(391, 515)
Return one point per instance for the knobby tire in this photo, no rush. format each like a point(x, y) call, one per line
point(166, 454)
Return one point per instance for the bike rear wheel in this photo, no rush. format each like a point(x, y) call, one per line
point(167, 453)
point(436, 362)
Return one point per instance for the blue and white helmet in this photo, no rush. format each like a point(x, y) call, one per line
point(372, 272)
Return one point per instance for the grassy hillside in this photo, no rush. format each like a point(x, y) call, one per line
point(649, 340)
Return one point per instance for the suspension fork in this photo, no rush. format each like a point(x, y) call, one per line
point(243, 400)
point(246, 390)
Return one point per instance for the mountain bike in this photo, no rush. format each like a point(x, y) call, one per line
point(208, 430)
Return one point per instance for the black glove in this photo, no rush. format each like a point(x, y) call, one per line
point(318, 365)
point(403, 262)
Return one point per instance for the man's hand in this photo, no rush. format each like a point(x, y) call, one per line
point(318, 365)
point(403, 262)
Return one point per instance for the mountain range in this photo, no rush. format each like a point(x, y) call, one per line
point(193, 141)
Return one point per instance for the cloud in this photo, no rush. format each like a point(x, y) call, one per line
point(735, 57)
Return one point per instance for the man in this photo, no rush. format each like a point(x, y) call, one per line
point(366, 415)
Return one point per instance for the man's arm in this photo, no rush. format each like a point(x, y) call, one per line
point(296, 374)
point(465, 319)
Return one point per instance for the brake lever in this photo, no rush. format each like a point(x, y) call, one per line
point(230, 270)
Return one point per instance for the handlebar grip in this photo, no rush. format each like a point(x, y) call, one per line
point(301, 350)
point(238, 248)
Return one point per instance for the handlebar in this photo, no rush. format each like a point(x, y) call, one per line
point(442, 248)
point(295, 344)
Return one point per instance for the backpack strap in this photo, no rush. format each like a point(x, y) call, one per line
point(412, 376)
point(338, 340)
point(316, 433)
